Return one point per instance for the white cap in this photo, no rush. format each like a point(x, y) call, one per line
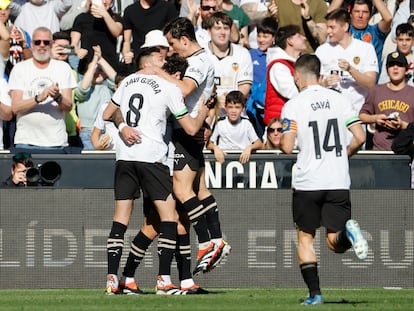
point(155, 38)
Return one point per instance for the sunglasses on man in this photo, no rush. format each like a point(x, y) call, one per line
point(38, 42)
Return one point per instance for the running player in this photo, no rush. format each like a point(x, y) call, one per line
point(319, 119)
point(145, 103)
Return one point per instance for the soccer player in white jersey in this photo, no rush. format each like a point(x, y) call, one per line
point(145, 102)
point(319, 119)
point(189, 165)
point(233, 66)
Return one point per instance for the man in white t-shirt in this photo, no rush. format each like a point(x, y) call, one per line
point(233, 67)
point(41, 93)
point(319, 120)
point(348, 65)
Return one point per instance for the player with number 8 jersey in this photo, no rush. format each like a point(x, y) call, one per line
point(139, 98)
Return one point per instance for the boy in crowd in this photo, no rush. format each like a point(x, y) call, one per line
point(405, 39)
point(234, 131)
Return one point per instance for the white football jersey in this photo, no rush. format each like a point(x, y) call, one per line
point(321, 118)
point(234, 69)
point(146, 101)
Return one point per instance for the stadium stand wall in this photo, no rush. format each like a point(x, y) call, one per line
point(56, 238)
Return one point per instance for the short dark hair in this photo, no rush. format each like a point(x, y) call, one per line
point(267, 25)
point(235, 97)
point(24, 158)
point(61, 35)
point(144, 53)
point(340, 15)
point(404, 28)
point(181, 27)
point(308, 63)
point(218, 17)
point(175, 63)
point(361, 2)
point(284, 33)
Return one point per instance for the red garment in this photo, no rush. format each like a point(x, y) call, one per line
point(274, 102)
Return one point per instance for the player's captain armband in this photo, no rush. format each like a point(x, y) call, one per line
point(288, 125)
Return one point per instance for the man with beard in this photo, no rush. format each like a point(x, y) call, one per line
point(41, 93)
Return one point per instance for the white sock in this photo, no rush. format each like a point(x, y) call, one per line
point(129, 280)
point(186, 283)
point(164, 280)
point(203, 245)
point(217, 241)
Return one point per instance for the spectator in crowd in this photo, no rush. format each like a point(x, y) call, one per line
point(402, 15)
point(257, 10)
point(16, 49)
point(321, 179)
point(361, 12)
point(280, 84)
point(98, 26)
point(140, 18)
point(403, 143)
point(41, 94)
point(233, 68)
point(266, 36)
point(240, 19)
point(155, 38)
point(273, 134)
point(104, 134)
point(6, 113)
point(309, 15)
point(405, 40)
point(19, 40)
point(95, 89)
point(21, 163)
point(234, 132)
point(349, 65)
point(61, 50)
point(36, 13)
point(199, 13)
point(388, 107)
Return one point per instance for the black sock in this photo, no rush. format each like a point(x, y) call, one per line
point(183, 256)
point(139, 246)
point(342, 243)
point(114, 246)
point(167, 243)
point(212, 217)
point(195, 213)
point(309, 272)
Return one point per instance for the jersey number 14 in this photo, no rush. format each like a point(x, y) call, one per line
point(331, 129)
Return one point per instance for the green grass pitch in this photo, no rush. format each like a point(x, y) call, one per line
point(219, 299)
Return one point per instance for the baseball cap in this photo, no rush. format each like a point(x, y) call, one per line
point(4, 4)
point(155, 38)
point(396, 58)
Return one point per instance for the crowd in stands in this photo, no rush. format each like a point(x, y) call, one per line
point(61, 60)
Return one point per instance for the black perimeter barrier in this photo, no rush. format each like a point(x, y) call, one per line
point(60, 232)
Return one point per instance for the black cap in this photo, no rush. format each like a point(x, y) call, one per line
point(397, 58)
